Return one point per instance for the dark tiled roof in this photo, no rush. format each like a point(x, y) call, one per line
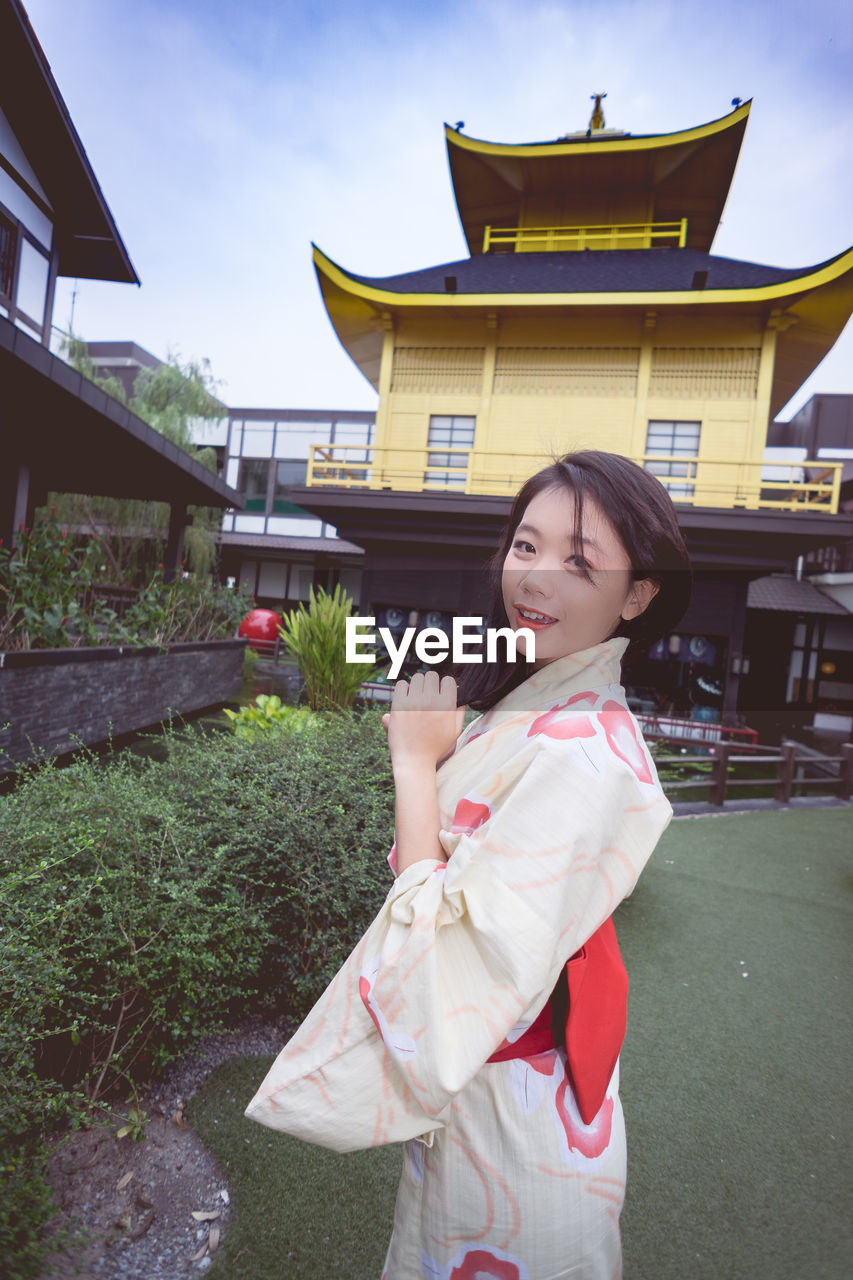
point(779, 591)
point(587, 271)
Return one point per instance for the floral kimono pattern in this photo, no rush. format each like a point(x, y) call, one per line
point(550, 807)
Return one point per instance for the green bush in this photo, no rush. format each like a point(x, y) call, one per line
point(268, 717)
point(49, 585)
point(145, 901)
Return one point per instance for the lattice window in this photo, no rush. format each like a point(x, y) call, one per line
point(699, 373)
point(584, 371)
point(678, 438)
point(456, 432)
point(438, 369)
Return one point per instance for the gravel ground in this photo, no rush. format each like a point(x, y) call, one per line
point(134, 1205)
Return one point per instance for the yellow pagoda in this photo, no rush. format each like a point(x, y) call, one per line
point(590, 313)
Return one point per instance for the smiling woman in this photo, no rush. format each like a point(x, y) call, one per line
point(481, 1017)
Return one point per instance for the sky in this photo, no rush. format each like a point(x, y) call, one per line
point(228, 137)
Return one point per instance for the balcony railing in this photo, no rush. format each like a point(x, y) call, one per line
point(627, 235)
point(700, 482)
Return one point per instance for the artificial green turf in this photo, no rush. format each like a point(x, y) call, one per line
point(734, 1074)
point(300, 1212)
point(733, 1080)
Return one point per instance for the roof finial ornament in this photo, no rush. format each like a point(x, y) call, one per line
point(597, 118)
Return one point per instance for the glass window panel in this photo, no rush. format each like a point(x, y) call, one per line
point(353, 432)
point(289, 472)
point(232, 473)
point(257, 440)
point(248, 524)
point(8, 245)
point(253, 483)
point(306, 526)
point(236, 441)
point(32, 282)
point(293, 439)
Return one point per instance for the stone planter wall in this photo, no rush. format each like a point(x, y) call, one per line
point(60, 697)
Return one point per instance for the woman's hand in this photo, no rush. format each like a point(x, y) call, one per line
point(424, 721)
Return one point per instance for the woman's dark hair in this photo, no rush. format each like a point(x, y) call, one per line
point(644, 518)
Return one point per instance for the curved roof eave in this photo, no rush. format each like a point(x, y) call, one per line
point(583, 146)
point(382, 299)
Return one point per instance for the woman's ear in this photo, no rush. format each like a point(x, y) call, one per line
point(640, 597)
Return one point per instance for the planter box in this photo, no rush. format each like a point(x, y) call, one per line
point(58, 698)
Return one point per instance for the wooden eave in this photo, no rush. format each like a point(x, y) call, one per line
point(408, 526)
point(685, 174)
point(88, 240)
point(809, 311)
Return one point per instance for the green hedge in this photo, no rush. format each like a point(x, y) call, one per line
point(145, 901)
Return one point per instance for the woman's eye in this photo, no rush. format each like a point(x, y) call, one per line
point(520, 544)
point(581, 561)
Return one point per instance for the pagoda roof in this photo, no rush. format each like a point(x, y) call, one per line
point(810, 305)
point(586, 271)
point(686, 174)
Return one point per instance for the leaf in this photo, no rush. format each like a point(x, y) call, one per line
point(213, 1239)
point(124, 1130)
point(124, 1180)
point(198, 1256)
point(178, 1119)
point(206, 1215)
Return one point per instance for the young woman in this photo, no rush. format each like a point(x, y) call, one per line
point(480, 1018)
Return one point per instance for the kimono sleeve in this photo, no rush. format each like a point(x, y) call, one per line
point(462, 950)
point(480, 942)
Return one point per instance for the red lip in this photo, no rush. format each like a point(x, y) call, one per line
point(525, 622)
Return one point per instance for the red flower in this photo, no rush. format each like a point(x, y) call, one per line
point(53, 511)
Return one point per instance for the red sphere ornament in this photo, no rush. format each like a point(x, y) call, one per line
point(261, 626)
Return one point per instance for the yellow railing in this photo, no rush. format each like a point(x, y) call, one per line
point(699, 482)
point(631, 235)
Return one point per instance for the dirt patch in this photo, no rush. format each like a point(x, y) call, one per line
point(155, 1208)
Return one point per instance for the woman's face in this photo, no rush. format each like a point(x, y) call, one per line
point(541, 572)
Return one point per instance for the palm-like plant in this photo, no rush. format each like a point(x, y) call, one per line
point(316, 637)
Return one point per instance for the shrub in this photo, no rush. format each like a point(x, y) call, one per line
point(49, 587)
point(144, 901)
point(269, 718)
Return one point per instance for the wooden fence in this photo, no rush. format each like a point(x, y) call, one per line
point(788, 771)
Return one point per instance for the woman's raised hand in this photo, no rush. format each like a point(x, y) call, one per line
point(424, 721)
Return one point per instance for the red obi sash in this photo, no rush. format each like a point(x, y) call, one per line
point(595, 1023)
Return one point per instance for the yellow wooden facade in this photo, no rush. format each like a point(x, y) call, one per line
point(546, 374)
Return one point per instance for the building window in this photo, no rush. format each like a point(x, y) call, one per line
point(8, 246)
point(254, 474)
point(289, 471)
point(453, 432)
point(678, 438)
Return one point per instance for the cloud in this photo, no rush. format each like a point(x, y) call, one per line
point(227, 139)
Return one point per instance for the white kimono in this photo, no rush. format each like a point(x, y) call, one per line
point(550, 807)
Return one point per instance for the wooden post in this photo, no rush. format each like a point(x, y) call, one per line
point(721, 764)
point(174, 541)
point(845, 783)
point(787, 764)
